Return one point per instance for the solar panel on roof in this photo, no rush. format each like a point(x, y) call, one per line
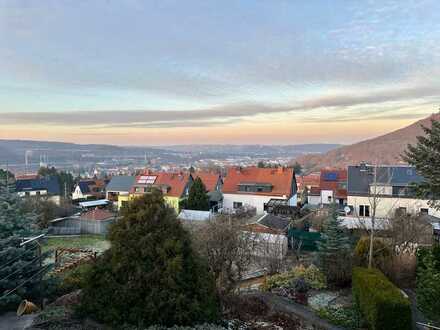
point(332, 176)
point(147, 179)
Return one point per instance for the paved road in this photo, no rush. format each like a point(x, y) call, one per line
point(10, 321)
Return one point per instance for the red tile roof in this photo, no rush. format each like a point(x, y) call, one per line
point(209, 179)
point(305, 181)
point(171, 184)
point(281, 180)
point(258, 228)
point(97, 214)
point(341, 176)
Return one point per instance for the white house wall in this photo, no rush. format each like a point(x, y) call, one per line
point(314, 200)
point(256, 201)
point(325, 194)
point(388, 205)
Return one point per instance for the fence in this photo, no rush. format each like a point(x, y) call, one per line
point(76, 226)
point(308, 240)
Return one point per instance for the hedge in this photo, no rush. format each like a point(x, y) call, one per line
point(381, 303)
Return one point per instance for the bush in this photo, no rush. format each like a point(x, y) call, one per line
point(381, 254)
point(312, 276)
point(381, 303)
point(340, 316)
point(428, 285)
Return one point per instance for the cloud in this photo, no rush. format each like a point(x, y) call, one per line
point(220, 115)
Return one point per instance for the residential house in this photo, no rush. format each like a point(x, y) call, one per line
point(119, 185)
point(254, 187)
point(305, 183)
point(48, 186)
point(174, 187)
point(391, 187)
point(213, 183)
point(89, 189)
point(332, 188)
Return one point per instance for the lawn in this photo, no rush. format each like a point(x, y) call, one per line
point(93, 242)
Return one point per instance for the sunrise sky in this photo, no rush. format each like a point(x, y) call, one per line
point(179, 72)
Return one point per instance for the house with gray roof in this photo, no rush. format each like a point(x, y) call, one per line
point(119, 186)
point(392, 187)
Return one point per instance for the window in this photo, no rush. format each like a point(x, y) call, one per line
point(237, 205)
point(401, 211)
point(364, 210)
point(424, 211)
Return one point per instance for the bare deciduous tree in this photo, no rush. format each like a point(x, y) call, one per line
point(227, 249)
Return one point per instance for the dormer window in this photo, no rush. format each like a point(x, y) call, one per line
point(254, 187)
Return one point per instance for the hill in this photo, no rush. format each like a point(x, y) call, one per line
point(385, 149)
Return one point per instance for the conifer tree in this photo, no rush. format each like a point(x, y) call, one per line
point(17, 264)
point(334, 252)
point(198, 199)
point(150, 275)
point(425, 156)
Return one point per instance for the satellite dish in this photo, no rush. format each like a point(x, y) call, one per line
point(347, 210)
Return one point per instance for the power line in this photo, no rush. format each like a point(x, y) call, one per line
point(30, 278)
point(20, 268)
point(15, 259)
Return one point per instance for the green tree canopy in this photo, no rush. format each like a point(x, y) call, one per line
point(297, 168)
point(198, 199)
point(334, 252)
point(425, 156)
point(6, 178)
point(17, 264)
point(150, 275)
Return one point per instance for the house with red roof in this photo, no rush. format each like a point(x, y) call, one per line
point(174, 187)
point(254, 187)
point(332, 188)
point(306, 183)
point(213, 183)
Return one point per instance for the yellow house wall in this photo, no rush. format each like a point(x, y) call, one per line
point(172, 202)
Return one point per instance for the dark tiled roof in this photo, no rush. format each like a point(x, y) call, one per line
point(361, 176)
point(50, 183)
point(84, 186)
point(121, 183)
point(274, 222)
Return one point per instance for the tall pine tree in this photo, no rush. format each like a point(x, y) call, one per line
point(425, 156)
point(334, 252)
point(198, 199)
point(17, 264)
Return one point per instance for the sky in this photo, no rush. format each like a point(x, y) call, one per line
point(211, 72)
